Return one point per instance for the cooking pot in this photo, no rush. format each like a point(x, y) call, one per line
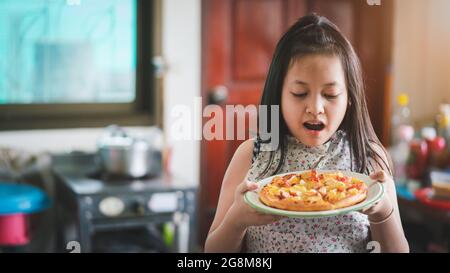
point(122, 155)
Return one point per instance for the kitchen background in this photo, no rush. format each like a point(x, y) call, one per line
point(70, 68)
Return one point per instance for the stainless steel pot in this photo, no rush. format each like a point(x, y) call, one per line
point(123, 155)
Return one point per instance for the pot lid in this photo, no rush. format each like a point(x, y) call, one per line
point(116, 137)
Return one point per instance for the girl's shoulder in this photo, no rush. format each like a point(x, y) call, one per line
point(246, 145)
point(245, 150)
point(239, 164)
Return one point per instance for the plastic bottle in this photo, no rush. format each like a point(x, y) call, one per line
point(417, 161)
point(439, 155)
point(401, 152)
point(401, 116)
point(443, 121)
point(428, 134)
point(443, 130)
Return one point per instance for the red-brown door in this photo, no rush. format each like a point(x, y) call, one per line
point(238, 40)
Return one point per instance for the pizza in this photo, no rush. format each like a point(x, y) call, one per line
point(310, 191)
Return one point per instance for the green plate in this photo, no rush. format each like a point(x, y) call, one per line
point(374, 194)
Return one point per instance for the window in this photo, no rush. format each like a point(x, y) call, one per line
point(68, 63)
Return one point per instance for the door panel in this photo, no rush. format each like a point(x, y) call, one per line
point(341, 13)
point(256, 30)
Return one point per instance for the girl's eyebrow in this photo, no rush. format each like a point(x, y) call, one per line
point(325, 85)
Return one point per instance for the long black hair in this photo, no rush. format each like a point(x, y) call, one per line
point(314, 34)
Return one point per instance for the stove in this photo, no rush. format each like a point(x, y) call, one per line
point(100, 213)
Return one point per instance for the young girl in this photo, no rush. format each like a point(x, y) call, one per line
point(316, 79)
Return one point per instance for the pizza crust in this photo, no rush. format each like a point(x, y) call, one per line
point(351, 200)
point(293, 205)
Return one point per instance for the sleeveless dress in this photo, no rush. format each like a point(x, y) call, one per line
point(341, 233)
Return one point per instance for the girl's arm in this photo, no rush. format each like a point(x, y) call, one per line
point(385, 223)
point(233, 215)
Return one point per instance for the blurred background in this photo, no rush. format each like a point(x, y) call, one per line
point(90, 160)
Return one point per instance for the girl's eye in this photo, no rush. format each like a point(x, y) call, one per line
point(300, 95)
point(330, 96)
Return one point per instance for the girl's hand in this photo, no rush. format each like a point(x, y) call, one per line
point(381, 209)
point(244, 215)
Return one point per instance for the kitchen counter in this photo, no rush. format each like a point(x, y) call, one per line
point(96, 205)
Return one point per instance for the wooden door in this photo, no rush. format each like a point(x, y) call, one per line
point(238, 40)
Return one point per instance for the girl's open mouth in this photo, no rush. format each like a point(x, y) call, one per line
point(314, 126)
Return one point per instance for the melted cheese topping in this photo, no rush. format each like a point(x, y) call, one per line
point(312, 187)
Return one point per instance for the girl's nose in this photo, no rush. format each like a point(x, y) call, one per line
point(315, 106)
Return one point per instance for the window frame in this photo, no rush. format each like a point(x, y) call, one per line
point(142, 111)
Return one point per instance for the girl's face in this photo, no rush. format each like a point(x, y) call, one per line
point(314, 98)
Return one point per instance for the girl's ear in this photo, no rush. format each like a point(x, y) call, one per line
point(349, 102)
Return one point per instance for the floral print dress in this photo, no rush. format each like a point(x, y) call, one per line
point(341, 233)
